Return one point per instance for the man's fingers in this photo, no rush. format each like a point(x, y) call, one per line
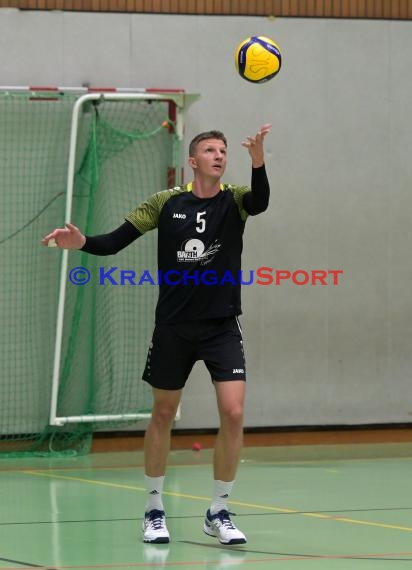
point(265, 128)
point(71, 227)
point(55, 234)
point(263, 131)
point(249, 142)
point(50, 239)
point(46, 238)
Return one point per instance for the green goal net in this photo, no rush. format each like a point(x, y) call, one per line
point(122, 150)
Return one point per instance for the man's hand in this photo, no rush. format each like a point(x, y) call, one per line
point(69, 237)
point(255, 146)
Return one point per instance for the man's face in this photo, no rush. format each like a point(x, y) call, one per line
point(209, 158)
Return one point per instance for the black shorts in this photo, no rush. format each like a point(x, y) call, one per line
point(176, 347)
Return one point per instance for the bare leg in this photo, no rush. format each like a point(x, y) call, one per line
point(157, 437)
point(229, 442)
point(230, 400)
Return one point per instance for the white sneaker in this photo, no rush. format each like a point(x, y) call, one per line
point(220, 526)
point(154, 527)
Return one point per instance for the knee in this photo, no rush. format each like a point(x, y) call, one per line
point(163, 415)
point(232, 415)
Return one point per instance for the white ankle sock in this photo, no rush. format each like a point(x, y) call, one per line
point(154, 486)
point(221, 495)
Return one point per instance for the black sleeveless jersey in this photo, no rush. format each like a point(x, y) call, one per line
point(200, 243)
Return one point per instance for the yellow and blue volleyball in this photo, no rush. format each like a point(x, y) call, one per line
point(258, 59)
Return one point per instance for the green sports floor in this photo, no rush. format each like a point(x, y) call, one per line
point(320, 507)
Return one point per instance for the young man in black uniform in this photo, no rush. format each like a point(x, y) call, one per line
point(200, 231)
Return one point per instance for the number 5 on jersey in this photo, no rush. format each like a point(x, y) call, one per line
point(201, 221)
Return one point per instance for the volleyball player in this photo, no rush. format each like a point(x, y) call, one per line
point(200, 235)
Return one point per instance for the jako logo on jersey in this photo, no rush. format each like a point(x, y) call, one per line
point(179, 216)
point(238, 371)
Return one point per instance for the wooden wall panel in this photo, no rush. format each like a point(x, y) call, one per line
point(379, 9)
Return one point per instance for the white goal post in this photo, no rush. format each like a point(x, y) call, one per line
point(180, 101)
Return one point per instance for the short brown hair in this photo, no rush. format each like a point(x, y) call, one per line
point(203, 137)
